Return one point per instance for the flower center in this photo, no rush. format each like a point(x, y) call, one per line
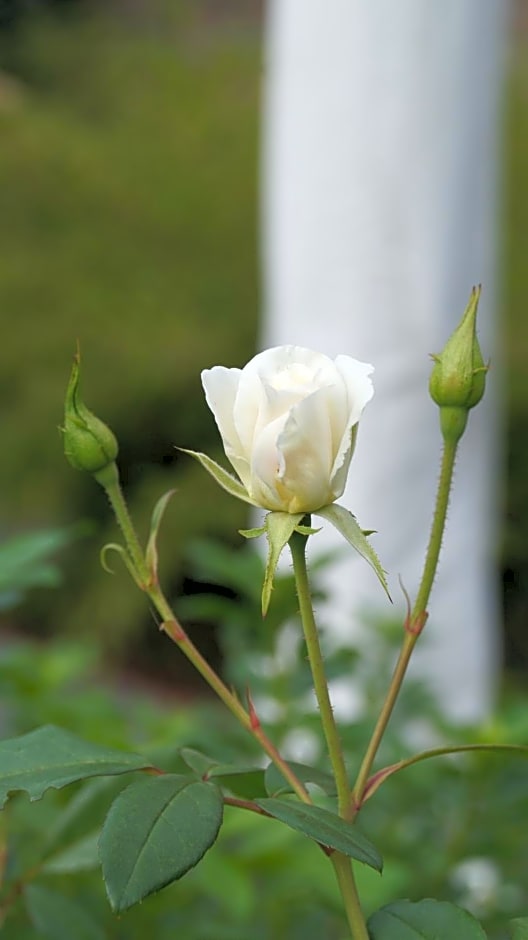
point(292, 378)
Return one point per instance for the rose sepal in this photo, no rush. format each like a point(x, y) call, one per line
point(278, 528)
point(347, 525)
point(253, 533)
point(222, 477)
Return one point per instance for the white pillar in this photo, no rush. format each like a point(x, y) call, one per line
point(380, 142)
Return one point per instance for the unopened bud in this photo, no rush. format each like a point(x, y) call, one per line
point(458, 378)
point(88, 443)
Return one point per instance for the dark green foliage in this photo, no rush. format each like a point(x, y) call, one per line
point(515, 294)
point(155, 832)
point(261, 878)
point(277, 784)
point(231, 598)
point(241, 780)
point(520, 928)
point(28, 561)
point(50, 757)
point(429, 821)
point(127, 222)
point(60, 918)
point(325, 828)
point(424, 920)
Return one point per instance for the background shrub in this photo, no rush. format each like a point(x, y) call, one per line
point(128, 220)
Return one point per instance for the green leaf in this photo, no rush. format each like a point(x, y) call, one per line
point(151, 555)
point(242, 780)
point(58, 917)
point(222, 477)
point(276, 783)
point(324, 827)
point(52, 757)
point(347, 525)
point(520, 928)
point(81, 856)
point(154, 833)
point(279, 528)
point(247, 782)
point(198, 761)
point(424, 920)
point(375, 782)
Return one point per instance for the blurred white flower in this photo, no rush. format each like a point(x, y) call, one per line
point(478, 880)
point(301, 744)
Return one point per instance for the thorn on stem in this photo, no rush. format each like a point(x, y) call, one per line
point(416, 626)
point(407, 621)
point(253, 717)
point(173, 629)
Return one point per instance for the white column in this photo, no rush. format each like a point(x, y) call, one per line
point(380, 143)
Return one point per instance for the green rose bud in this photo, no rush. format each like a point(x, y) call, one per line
point(88, 443)
point(458, 378)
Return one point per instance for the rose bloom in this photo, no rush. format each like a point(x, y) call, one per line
point(288, 422)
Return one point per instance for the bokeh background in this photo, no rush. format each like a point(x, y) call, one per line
point(128, 222)
point(129, 152)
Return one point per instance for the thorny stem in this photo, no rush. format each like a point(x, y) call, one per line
point(437, 530)
point(342, 865)
point(331, 733)
point(171, 626)
point(347, 885)
point(147, 580)
point(415, 621)
point(117, 501)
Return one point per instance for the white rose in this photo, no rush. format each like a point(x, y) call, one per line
point(288, 422)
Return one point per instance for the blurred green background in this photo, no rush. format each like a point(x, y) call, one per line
point(128, 221)
point(128, 160)
point(447, 828)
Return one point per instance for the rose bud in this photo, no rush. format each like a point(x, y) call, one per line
point(89, 444)
point(458, 377)
point(288, 422)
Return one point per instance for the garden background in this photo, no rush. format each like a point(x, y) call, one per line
point(128, 222)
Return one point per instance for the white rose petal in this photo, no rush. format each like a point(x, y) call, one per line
point(288, 422)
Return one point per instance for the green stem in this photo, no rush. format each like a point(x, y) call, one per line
point(113, 490)
point(382, 722)
point(342, 865)
point(171, 626)
point(415, 621)
point(437, 529)
point(331, 733)
point(347, 886)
